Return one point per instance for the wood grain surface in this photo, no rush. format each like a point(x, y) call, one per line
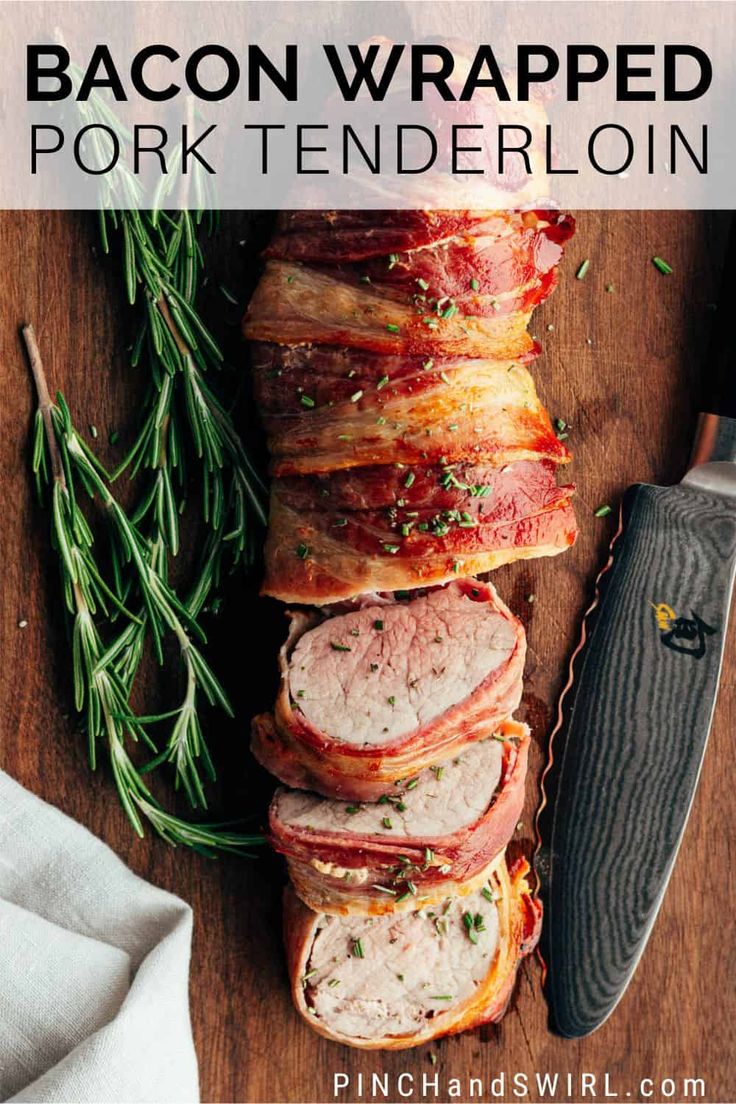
point(622, 367)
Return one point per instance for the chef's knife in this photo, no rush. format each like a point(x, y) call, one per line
point(633, 721)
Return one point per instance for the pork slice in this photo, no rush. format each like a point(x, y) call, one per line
point(370, 677)
point(400, 980)
point(443, 801)
point(390, 975)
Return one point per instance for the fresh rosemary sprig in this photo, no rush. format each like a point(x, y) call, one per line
point(183, 420)
point(103, 672)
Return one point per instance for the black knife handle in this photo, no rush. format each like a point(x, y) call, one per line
point(719, 370)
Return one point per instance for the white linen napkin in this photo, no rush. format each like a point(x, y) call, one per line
point(94, 968)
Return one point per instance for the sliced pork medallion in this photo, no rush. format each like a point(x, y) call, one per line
point(397, 528)
point(375, 695)
point(399, 980)
point(433, 837)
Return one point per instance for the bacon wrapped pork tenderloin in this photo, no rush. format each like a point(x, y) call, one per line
point(399, 980)
point(375, 695)
point(403, 366)
point(432, 838)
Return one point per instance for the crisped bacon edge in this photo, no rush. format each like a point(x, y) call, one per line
point(520, 918)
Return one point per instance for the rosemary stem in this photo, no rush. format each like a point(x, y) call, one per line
point(44, 401)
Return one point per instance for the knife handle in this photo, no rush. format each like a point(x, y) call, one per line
point(715, 438)
point(719, 370)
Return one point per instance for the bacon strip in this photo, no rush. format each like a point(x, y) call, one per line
point(386, 410)
point(393, 528)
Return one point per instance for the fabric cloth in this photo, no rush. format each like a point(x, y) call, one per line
point(94, 968)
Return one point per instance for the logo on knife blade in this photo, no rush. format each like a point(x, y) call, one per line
point(682, 634)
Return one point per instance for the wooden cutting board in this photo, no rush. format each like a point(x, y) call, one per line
point(621, 366)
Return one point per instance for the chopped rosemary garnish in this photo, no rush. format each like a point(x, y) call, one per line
point(378, 625)
point(582, 270)
point(386, 822)
point(392, 327)
point(602, 511)
point(474, 285)
point(470, 929)
point(352, 809)
point(302, 551)
point(662, 266)
point(358, 950)
point(356, 396)
point(392, 549)
point(305, 400)
point(382, 383)
point(336, 647)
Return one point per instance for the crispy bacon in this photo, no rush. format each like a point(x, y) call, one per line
point(340, 872)
point(394, 528)
point(519, 923)
point(297, 305)
point(325, 410)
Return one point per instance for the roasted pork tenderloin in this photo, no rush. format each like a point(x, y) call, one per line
point(409, 454)
point(432, 838)
point(410, 363)
point(372, 697)
point(399, 980)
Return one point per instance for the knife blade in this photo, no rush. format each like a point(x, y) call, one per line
point(634, 718)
